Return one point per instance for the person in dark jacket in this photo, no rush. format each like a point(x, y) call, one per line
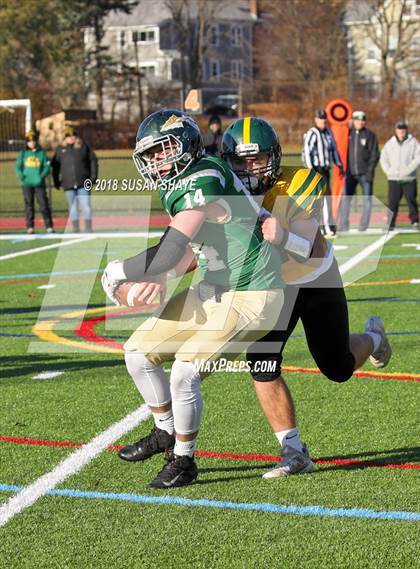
point(213, 137)
point(32, 168)
point(75, 169)
point(363, 156)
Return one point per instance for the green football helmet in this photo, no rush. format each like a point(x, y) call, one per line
point(252, 137)
point(166, 137)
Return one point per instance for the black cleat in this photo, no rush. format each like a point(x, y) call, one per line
point(178, 471)
point(154, 443)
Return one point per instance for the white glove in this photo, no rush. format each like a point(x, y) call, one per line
point(112, 277)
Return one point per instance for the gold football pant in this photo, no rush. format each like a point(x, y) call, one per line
point(192, 330)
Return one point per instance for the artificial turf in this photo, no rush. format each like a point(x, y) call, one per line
point(365, 419)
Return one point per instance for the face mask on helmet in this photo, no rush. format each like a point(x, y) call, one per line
point(160, 159)
point(255, 169)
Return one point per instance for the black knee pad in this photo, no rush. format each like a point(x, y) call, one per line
point(264, 367)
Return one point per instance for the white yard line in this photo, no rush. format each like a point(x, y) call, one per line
point(71, 465)
point(55, 236)
point(46, 248)
point(361, 256)
point(48, 374)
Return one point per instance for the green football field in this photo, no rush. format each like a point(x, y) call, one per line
point(63, 383)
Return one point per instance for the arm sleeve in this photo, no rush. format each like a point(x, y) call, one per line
point(93, 165)
point(374, 156)
point(45, 170)
point(19, 166)
point(308, 143)
point(384, 160)
point(55, 164)
point(308, 204)
point(158, 259)
point(414, 162)
point(336, 155)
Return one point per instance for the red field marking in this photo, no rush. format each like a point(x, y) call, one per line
point(86, 330)
point(109, 222)
point(228, 455)
point(380, 283)
point(374, 374)
point(155, 221)
point(47, 278)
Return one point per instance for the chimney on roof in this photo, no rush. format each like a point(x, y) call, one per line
point(253, 8)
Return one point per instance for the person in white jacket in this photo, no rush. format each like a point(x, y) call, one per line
point(400, 159)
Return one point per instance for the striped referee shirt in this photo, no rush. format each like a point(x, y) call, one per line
point(319, 149)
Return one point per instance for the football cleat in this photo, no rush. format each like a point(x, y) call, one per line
point(156, 442)
point(178, 471)
point(381, 357)
point(292, 462)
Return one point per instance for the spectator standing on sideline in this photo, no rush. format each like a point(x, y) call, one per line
point(213, 137)
point(363, 156)
point(319, 153)
point(400, 158)
point(75, 162)
point(32, 167)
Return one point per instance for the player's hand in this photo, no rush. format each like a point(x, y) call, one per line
point(342, 171)
point(112, 276)
point(272, 230)
point(152, 287)
point(146, 292)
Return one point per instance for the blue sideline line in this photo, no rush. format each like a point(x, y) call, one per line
point(256, 507)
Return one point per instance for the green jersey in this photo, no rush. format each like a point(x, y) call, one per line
point(232, 251)
point(32, 167)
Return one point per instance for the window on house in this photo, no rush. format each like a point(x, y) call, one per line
point(415, 47)
point(236, 69)
point(393, 44)
point(412, 8)
point(148, 70)
point(236, 35)
point(176, 70)
point(143, 36)
point(214, 35)
point(214, 69)
point(371, 51)
point(121, 39)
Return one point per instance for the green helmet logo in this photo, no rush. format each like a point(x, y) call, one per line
point(167, 142)
point(252, 148)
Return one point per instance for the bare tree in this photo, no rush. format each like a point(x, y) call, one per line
point(192, 20)
point(300, 49)
point(391, 29)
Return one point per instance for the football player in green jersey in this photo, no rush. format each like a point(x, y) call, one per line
point(314, 293)
point(237, 301)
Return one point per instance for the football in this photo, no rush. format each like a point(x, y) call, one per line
point(127, 294)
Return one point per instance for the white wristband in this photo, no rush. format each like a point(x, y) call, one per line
point(115, 270)
point(298, 246)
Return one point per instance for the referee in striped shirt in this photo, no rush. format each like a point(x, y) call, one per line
point(319, 153)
